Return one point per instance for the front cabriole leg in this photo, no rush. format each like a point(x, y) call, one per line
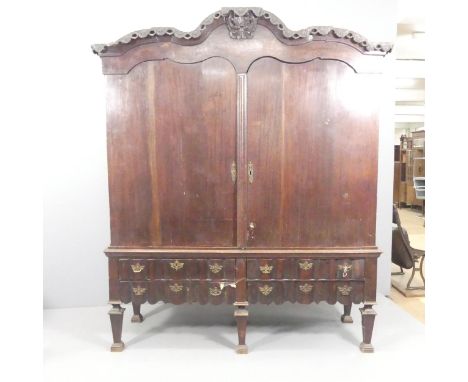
point(137, 316)
point(346, 317)
point(368, 316)
point(116, 318)
point(241, 314)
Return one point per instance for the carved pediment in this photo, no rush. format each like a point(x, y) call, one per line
point(241, 24)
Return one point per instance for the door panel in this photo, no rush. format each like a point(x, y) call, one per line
point(312, 139)
point(172, 134)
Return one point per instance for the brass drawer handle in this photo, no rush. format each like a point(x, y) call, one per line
point(345, 268)
point(215, 291)
point(306, 265)
point(266, 268)
point(345, 290)
point(138, 291)
point(306, 288)
point(215, 268)
point(265, 289)
point(176, 265)
point(176, 288)
point(137, 268)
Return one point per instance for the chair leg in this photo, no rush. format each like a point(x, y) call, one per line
point(413, 271)
point(421, 272)
point(401, 273)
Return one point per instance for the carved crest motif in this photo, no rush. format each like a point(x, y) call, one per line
point(241, 25)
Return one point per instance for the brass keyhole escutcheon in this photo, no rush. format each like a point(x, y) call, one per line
point(233, 172)
point(251, 235)
point(345, 269)
point(250, 172)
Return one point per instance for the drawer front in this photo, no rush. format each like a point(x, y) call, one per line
point(305, 269)
point(176, 269)
point(305, 292)
point(177, 292)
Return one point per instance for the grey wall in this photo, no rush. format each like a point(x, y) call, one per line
point(76, 216)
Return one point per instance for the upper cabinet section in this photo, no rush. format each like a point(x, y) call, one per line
point(241, 35)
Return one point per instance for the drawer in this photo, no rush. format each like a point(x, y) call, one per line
point(305, 292)
point(176, 269)
point(304, 268)
point(177, 292)
point(289, 268)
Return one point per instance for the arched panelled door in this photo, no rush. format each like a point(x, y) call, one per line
point(173, 152)
point(311, 150)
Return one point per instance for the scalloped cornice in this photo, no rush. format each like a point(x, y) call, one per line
point(241, 23)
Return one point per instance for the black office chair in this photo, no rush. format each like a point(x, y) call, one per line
point(404, 255)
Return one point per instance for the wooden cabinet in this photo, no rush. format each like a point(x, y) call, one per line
point(409, 165)
point(236, 166)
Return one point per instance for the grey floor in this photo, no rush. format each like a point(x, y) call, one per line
point(192, 342)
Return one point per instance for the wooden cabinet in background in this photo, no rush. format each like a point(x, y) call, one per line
point(409, 165)
point(235, 166)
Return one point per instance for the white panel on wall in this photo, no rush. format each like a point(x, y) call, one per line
point(76, 206)
point(409, 95)
point(406, 118)
point(409, 109)
point(410, 68)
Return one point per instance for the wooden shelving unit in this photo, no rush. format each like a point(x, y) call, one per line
point(409, 164)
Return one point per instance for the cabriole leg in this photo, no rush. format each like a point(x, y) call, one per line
point(241, 314)
point(116, 318)
point(368, 316)
point(346, 317)
point(137, 317)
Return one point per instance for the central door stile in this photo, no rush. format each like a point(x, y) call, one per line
point(241, 160)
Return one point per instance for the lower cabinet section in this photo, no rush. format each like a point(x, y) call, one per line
point(214, 281)
point(241, 281)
